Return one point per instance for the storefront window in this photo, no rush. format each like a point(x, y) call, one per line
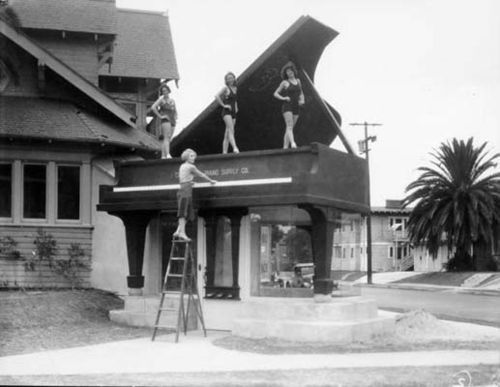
point(281, 238)
point(223, 270)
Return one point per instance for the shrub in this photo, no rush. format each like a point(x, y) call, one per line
point(70, 268)
point(8, 248)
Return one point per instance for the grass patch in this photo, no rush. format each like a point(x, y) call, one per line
point(40, 320)
point(438, 278)
point(349, 377)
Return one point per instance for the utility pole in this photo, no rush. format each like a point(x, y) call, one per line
point(363, 148)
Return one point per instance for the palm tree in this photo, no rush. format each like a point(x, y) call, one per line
point(457, 202)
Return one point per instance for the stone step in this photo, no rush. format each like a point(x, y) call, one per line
point(139, 319)
point(475, 280)
point(142, 310)
point(313, 331)
point(337, 309)
point(151, 303)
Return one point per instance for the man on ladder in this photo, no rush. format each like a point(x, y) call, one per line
point(182, 265)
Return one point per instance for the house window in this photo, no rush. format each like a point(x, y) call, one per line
point(343, 252)
point(68, 192)
point(5, 190)
point(35, 181)
point(391, 252)
point(352, 252)
point(398, 224)
point(337, 251)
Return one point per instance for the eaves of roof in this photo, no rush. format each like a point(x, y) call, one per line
point(46, 58)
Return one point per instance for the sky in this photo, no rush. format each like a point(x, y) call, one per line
point(427, 70)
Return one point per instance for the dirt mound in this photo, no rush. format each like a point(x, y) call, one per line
point(419, 325)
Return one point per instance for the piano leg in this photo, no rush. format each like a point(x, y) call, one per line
point(135, 223)
point(323, 223)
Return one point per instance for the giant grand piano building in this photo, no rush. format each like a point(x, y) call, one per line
point(271, 208)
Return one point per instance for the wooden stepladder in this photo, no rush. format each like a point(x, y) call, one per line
point(181, 267)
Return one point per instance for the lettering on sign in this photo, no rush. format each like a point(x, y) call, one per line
point(222, 172)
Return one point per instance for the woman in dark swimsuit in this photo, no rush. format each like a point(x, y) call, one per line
point(290, 92)
point(227, 99)
point(165, 110)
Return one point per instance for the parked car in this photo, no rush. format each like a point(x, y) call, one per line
point(300, 277)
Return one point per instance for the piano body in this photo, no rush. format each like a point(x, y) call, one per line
point(318, 180)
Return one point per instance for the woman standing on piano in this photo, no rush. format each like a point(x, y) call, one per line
point(227, 100)
point(290, 92)
point(165, 110)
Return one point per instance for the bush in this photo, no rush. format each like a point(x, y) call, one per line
point(460, 262)
point(70, 268)
point(8, 248)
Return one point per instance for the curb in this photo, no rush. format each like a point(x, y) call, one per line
point(433, 288)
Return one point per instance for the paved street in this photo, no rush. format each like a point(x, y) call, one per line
point(464, 307)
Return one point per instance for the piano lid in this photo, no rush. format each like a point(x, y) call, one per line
point(259, 124)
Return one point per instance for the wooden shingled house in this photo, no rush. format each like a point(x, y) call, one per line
point(76, 80)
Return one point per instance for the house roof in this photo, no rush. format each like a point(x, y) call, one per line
point(143, 47)
point(260, 123)
point(92, 16)
point(46, 58)
point(36, 118)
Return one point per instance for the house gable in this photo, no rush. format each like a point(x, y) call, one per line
point(45, 58)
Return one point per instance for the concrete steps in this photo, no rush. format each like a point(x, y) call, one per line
point(305, 309)
point(313, 331)
point(339, 321)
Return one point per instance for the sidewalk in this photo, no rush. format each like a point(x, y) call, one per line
point(194, 353)
point(387, 280)
point(431, 288)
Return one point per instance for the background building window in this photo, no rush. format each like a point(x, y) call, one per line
point(5, 190)
point(68, 192)
point(35, 181)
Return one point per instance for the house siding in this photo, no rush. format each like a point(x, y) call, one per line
point(13, 273)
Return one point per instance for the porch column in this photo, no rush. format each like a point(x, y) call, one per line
point(210, 218)
point(235, 218)
point(322, 227)
point(135, 223)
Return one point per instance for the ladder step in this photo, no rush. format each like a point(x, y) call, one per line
point(188, 287)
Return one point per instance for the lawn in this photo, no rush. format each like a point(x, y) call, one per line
point(438, 278)
point(42, 320)
point(39, 320)
point(351, 377)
